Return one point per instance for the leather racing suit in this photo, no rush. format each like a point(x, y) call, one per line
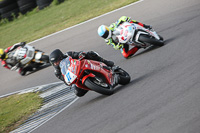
point(123, 47)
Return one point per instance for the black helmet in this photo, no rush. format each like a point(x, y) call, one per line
point(55, 56)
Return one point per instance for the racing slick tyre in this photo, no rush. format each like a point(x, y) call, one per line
point(99, 86)
point(151, 40)
point(124, 77)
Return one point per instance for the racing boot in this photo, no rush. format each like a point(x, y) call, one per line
point(147, 26)
point(95, 56)
point(78, 91)
point(22, 72)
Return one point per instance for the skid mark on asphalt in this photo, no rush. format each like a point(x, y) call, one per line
point(56, 96)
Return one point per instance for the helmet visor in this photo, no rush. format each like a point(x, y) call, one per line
point(105, 35)
point(104, 31)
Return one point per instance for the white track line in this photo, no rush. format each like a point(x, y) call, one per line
point(55, 114)
point(28, 89)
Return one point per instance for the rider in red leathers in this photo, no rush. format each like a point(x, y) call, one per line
point(106, 33)
point(56, 56)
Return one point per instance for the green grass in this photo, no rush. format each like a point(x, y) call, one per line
point(16, 108)
point(37, 24)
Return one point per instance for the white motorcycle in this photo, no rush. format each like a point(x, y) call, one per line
point(29, 57)
point(134, 34)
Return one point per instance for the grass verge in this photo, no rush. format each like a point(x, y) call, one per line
point(15, 109)
point(37, 24)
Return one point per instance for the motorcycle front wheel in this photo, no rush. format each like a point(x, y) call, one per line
point(151, 40)
point(99, 86)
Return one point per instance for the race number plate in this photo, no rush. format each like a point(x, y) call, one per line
point(69, 77)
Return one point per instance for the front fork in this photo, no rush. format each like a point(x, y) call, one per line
point(115, 76)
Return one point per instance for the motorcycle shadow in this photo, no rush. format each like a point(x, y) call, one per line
point(122, 87)
point(38, 69)
point(139, 79)
point(131, 83)
point(151, 48)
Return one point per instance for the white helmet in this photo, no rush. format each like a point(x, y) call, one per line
point(104, 32)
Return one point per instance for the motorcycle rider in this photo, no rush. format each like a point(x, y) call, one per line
point(10, 62)
point(107, 33)
point(57, 56)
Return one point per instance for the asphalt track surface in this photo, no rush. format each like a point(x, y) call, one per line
point(164, 93)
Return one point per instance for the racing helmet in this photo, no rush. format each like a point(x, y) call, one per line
point(56, 56)
point(104, 32)
point(3, 55)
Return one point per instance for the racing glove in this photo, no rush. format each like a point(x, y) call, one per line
point(58, 74)
point(82, 55)
point(22, 43)
point(118, 46)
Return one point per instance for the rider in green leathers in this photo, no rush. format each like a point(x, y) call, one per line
point(106, 33)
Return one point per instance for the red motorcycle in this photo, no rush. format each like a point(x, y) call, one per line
point(93, 75)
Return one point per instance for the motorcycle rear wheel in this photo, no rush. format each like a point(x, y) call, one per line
point(45, 58)
point(124, 76)
point(151, 40)
point(99, 87)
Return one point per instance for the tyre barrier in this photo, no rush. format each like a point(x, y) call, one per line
point(11, 8)
point(43, 3)
point(26, 5)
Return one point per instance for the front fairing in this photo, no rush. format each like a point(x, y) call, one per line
point(69, 69)
point(125, 32)
point(150, 32)
point(128, 33)
point(98, 69)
